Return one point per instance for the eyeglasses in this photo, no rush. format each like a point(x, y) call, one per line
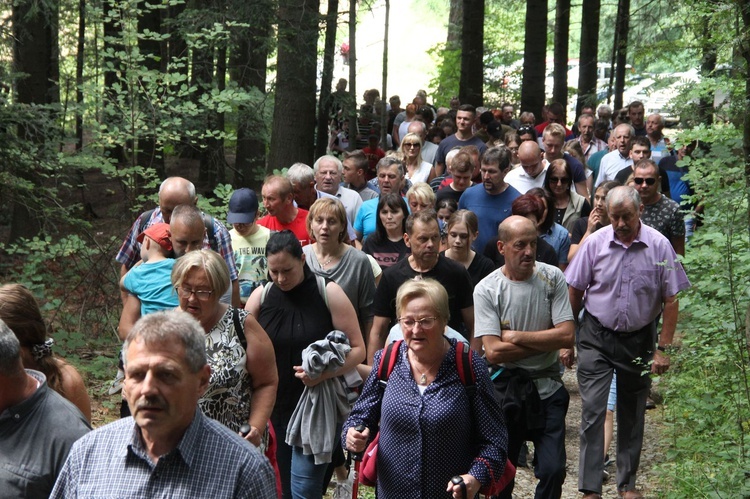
point(649, 181)
point(523, 130)
point(412, 144)
point(201, 294)
point(558, 180)
point(425, 322)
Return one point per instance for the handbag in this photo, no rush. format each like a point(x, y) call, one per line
point(368, 473)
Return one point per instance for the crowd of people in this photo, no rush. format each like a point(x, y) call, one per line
point(473, 254)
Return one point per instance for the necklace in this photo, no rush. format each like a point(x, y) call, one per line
point(423, 375)
point(326, 263)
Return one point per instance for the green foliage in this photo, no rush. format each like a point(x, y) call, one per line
point(707, 392)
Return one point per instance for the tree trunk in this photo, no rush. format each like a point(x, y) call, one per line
point(745, 50)
point(79, 72)
point(111, 66)
point(708, 65)
point(35, 54)
point(326, 78)
point(455, 23)
point(384, 91)
point(562, 29)
point(623, 26)
point(353, 73)
point(248, 63)
point(534, 64)
point(472, 50)
point(292, 140)
point(149, 155)
point(588, 56)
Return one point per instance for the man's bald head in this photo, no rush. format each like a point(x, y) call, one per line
point(419, 128)
point(515, 226)
point(530, 157)
point(173, 192)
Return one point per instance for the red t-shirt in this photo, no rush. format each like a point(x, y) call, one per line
point(298, 225)
point(373, 155)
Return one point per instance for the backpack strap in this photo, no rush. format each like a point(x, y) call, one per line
point(464, 366)
point(145, 217)
point(239, 328)
point(265, 291)
point(387, 362)
point(208, 221)
point(320, 281)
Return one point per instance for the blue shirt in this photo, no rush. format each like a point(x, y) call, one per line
point(557, 237)
point(365, 222)
point(210, 461)
point(151, 283)
point(490, 209)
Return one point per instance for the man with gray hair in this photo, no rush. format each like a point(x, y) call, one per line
point(612, 163)
point(391, 172)
point(168, 447)
point(37, 425)
point(626, 275)
point(328, 170)
point(429, 149)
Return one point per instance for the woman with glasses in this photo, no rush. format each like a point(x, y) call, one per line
point(569, 205)
point(416, 169)
point(242, 388)
point(432, 428)
point(297, 309)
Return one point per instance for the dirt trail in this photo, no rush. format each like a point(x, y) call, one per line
point(526, 482)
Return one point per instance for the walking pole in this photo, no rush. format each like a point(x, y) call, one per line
point(357, 457)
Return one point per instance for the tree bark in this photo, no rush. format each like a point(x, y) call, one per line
point(292, 137)
point(455, 23)
point(562, 31)
point(80, 54)
point(472, 51)
point(384, 91)
point(111, 65)
point(588, 55)
point(353, 73)
point(534, 64)
point(623, 27)
point(708, 65)
point(326, 78)
point(149, 155)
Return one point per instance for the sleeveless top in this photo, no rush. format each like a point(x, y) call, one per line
point(293, 319)
point(230, 388)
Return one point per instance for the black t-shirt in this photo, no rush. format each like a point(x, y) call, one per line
point(386, 253)
point(545, 253)
point(453, 276)
point(447, 193)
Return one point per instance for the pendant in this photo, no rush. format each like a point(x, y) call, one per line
point(423, 379)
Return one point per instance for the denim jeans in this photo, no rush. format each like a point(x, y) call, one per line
point(307, 477)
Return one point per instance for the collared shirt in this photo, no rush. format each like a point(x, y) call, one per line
point(351, 201)
point(130, 252)
point(611, 165)
point(365, 192)
point(35, 438)
point(626, 286)
point(210, 461)
point(523, 182)
point(595, 145)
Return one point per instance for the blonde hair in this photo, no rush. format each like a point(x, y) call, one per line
point(422, 192)
point(325, 207)
point(426, 288)
point(208, 260)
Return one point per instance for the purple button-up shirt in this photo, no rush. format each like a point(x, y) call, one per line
point(626, 286)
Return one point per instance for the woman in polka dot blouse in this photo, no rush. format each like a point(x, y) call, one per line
point(431, 427)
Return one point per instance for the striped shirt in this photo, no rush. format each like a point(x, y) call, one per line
point(210, 461)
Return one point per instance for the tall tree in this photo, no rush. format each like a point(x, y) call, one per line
point(562, 32)
point(292, 136)
point(708, 65)
point(326, 78)
point(534, 64)
point(621, 46)
point(452, 52)
point(352, 59)
point(36, 59)
point(588, 55)
point(472, 49)
point(248, 68)
point(150, 45)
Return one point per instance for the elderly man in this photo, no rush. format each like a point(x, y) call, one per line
point(589, 143)
point(354, 173)
point(390, 178)
point(37, 426)
point(168, 448)
point(491, 201)
point(533, 169)
point(423, 238)
point(173, 192)
point(625, 275)
point(654, 127)
point(508, 113)
point(328, 170)
point(523, 318)
point(278, 199)
point(612, 163)
point(429, 149)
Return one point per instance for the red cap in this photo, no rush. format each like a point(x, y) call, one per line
point(159, 233)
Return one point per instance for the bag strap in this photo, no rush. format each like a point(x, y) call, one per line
point(239, 329)
point(145, 217)
point(465, 368)
point(320, 281)
point(208, 221)
point(387, 362)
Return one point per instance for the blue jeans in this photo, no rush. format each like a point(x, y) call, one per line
point(307, 477)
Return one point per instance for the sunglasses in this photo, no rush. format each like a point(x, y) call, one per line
point(412, 144)
point(558, 180)
point(525, 129)
point(649, 181)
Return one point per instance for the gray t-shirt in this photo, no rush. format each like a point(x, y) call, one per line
point(536, 304)
point(35, 438)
